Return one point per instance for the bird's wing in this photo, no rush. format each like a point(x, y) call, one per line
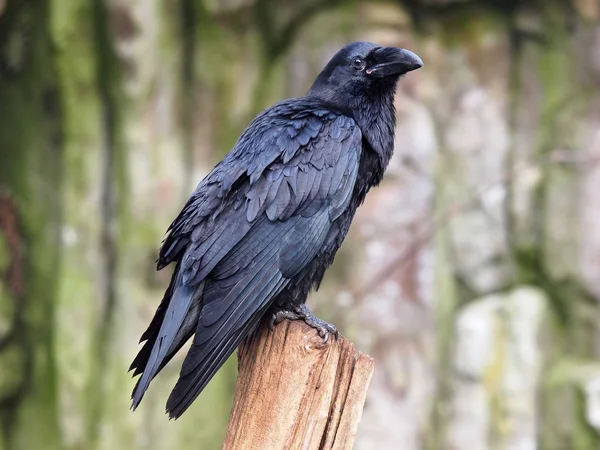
point(264, 228)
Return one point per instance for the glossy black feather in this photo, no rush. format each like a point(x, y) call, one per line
point(260, 230)
point(222, 242)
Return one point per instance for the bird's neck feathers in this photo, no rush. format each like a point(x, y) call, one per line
point(377, 122)
point(374, 112)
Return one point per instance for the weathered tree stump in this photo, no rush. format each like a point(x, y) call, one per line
point(295, 392)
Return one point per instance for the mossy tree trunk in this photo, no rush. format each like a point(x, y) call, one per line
point(550, 96)
point(30, 218)
point(108, 86)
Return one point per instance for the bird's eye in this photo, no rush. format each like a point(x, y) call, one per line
point(358, 64)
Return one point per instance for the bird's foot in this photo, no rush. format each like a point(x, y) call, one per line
point(303, 313)
point(281, 315)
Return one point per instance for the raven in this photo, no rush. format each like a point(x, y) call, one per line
point(259, 231)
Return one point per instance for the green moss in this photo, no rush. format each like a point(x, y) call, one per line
point(571, 305)
point(12, 370)
point(563, 103)
point(7, 311)
point(30, 167)
point(492, 380)
point(72, 34)
point(446, 307)
point(563, 396)
point(5, 257)
point(584, 435)
point(85, 134)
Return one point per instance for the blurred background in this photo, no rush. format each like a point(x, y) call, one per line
point(471, 275)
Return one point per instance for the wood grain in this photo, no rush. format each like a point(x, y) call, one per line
point(296, 392)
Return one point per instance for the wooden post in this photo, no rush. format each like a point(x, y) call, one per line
point(295, 392)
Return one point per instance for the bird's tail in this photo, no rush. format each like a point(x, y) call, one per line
point(221, 311)
point(173, 324)
point(232, 308)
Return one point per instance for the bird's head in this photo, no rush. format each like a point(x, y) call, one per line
point(362, 71)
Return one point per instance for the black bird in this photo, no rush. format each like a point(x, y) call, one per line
point(259, 231)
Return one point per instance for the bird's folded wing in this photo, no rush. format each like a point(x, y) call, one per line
point(238, 252)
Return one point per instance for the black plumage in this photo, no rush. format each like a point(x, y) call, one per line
point(259, 231)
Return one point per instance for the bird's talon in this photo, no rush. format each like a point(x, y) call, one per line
point(302, 312)
point(281, 315)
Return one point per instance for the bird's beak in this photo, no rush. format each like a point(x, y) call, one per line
point(394, 61)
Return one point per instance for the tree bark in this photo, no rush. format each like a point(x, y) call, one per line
point(295, 391)
point(31, 155)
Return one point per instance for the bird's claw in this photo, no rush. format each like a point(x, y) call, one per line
point(323, 328)
point(280, 316)
point(302, 312)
